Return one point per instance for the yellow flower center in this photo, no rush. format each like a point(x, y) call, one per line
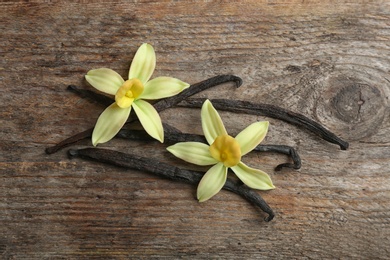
point(226, 150)
point(128, 92)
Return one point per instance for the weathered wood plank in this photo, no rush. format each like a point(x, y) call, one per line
point(329, 61)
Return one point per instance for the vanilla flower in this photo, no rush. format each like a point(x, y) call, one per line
point(223, 152)
point(131, 94)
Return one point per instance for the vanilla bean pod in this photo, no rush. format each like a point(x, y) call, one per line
point(167, 102)
point(283, 149)
point(172, 135)
point(196, 88)
point(159, 105)
point(167, 171)
point(250, 108)
point(69, 141)
point(246, 107)
point(89, 94)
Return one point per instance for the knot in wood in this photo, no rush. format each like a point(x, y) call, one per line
point(353, 107)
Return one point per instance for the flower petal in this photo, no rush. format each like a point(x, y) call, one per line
point(105, 80)
point(162, 87)
point(251, 136)
point(212, 124)
point(193, 152)
point(149, 119)
point(109, 123)
point(253, 178)
point(143, 63)
point(212, 182)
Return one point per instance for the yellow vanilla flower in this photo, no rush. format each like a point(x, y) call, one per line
point(131, 94)
point(223, 152)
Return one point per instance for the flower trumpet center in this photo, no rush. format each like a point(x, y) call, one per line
point(129, 91)
point(226, 150)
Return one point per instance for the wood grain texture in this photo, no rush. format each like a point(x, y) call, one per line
point(329, 60)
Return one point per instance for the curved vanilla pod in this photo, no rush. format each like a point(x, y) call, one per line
point(165, 170)
point(283, 149)
point(172, 135)
point(246, 107)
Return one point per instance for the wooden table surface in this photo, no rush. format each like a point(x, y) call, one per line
point(329, 60)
